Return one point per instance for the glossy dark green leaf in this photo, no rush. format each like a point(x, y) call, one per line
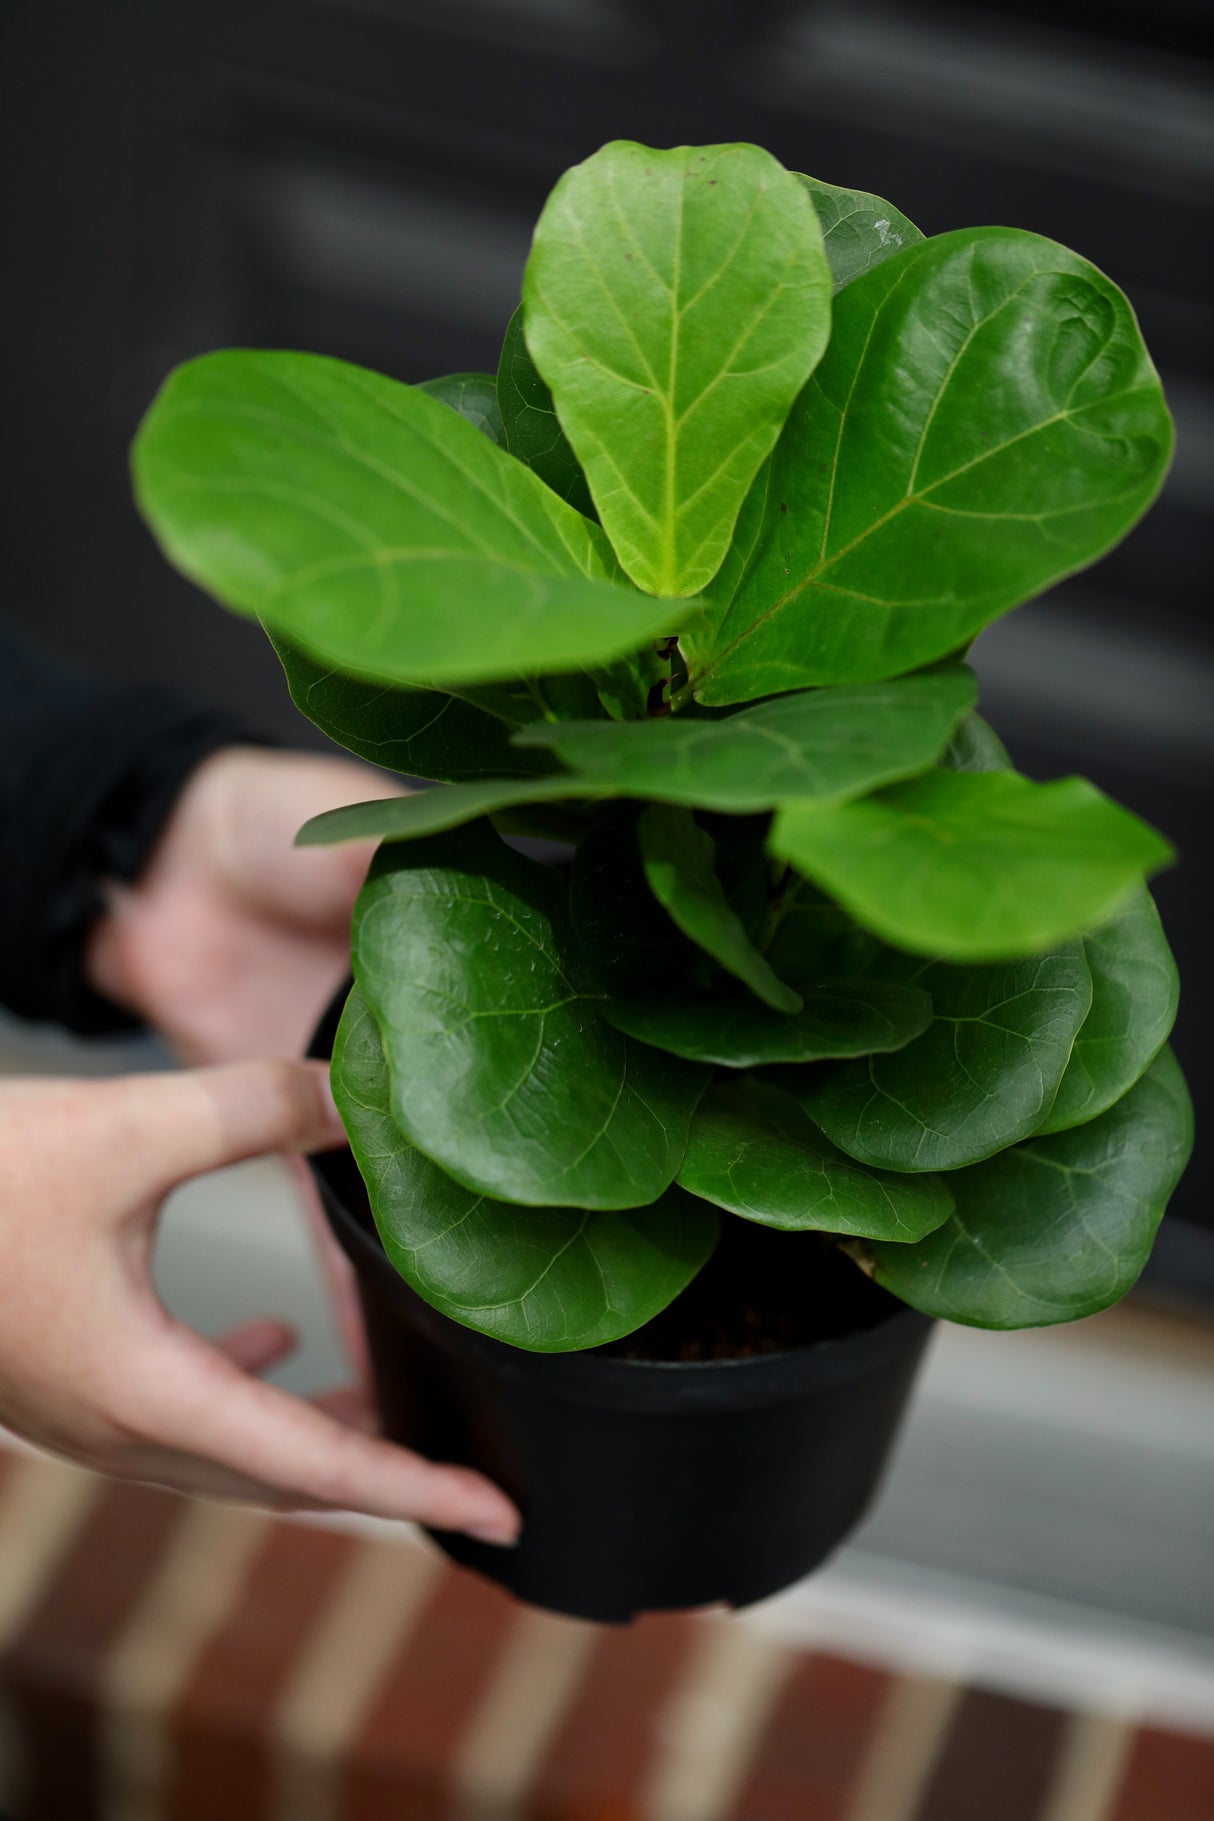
point(985, 421)
point(676, 302)
point(474, 396)
point(502, 1069)
point(1058, 1227)
point(679, 862)
point(424, 733)
point(974, 866)
point(531, 428)
point(823, 745)
point(376, 528)
point(976, 747)
point(753, 1151)
point(983, 1074)
point(1134, 995)
point(548, 1279)
point(859, 231)
point(430, 812)
point(838, 1018)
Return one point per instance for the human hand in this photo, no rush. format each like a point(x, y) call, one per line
point(232, 942)
point(91, 1364)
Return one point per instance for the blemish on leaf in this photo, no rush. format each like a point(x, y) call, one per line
point(783, 507)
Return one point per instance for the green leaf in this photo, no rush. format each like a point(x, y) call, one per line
point(531, 428)
point(424, 733)
point(985, 421)
point(474, 396)
point(752, 1150)
point(678, 858)
point(376, 528)
point(502, 1070)
point(625, 936)
point(676, 302)
point(548, 1279)
point(1059, 1227)
point(824, 744)
point(839, 1018)
point(983, 1074)
point(1134, 996)
point(976, 747)
point(859, 231)
point(974, 866)
point(430, 812)
point(816, 940)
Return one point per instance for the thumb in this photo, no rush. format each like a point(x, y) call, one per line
point(160, 1130)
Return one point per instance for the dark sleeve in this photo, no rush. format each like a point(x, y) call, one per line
point(89, 772)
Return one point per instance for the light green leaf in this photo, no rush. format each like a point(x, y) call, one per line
point(1058, 1227)
point(424, 733)
point(823, 744)
point(974, 866)
point(752, 1150)
point(376, 528)
point(859, 231)
point(547, 1279)
point(985, 421)
point(676, 302)
point(502, 1070)
point(678, 858)
point(474, 396)
point(430, 812)
point(838, 1018)
point(531, 428)
point(1134, 995)
point(982, 1075)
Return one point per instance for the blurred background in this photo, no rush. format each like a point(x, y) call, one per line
point(360, 177)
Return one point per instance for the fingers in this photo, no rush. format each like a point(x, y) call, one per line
point(203, 1404)
point(338, 1272)
point(156, 1131)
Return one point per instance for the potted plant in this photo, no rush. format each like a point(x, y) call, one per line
point(823, 1021)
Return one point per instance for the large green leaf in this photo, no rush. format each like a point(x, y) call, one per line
point(752, 1150)
point(982, 1075)
point(430, 812)
point(1134, 995)
point(838, 1018)
point(1058, 1227)
point(676, 302)
point(474, 396)
point(859, 231)
point(824, 745)
point(375, 527)
point(502, 1070)
point(531, 428)
point(985, 420)
point(548, 1279)
point(974, 866)
point(679, 862)
point(424, 733)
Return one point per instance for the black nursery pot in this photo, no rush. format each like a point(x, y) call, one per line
point(645, 1485)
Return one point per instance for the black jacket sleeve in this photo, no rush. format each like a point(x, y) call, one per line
point(89, 772)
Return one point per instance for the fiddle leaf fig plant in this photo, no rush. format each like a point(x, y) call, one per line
point(687, 586)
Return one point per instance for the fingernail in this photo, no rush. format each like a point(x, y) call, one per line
point(492, 1533)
